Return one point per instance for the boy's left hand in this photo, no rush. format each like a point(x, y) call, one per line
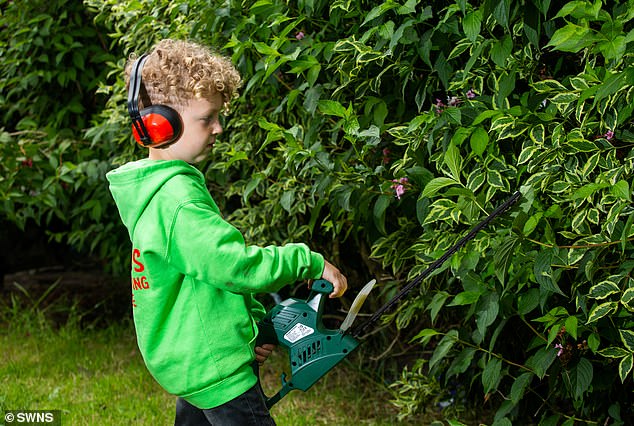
point(263, 352)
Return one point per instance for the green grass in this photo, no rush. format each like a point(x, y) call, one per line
point(96, 376)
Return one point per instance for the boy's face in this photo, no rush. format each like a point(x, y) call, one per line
point(201, 125)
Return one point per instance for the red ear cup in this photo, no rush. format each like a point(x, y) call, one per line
point(163, 124)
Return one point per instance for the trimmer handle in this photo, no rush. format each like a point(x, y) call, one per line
point(322, 286)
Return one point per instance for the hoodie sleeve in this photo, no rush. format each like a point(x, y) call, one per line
point(203, 245)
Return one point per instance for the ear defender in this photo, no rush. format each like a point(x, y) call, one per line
point(154, 126)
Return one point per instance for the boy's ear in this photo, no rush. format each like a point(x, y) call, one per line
point(154, 126)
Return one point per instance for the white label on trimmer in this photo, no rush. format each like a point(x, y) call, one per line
point(299, 331)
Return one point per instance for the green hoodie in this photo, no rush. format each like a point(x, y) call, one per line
point(194, 279)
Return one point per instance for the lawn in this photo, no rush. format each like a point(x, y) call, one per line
point(95, 376)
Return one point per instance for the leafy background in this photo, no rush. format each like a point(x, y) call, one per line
point(379, 133)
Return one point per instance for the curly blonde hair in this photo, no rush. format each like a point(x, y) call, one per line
point(178, 71)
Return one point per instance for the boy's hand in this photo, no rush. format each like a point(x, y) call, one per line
point(338, 280)
point(263, 352)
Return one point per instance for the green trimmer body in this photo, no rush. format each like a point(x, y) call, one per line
point(313, 349)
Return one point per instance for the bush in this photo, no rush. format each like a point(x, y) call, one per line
point(54, 60)
point(397, 126)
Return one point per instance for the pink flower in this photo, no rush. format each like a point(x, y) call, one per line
point(453, 101)
point(471, 94)
point(399, 186)
point(400, 190)
point(439, 105)
point(609, 135)
point(300, 35)
point(561, 349)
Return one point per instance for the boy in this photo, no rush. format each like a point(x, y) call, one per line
point(193, 277)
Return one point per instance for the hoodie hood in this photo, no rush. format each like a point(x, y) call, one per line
point(134, 184)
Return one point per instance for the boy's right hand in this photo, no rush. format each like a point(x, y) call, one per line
point(338, 280)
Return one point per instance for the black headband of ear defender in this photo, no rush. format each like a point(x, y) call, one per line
point(133, 100)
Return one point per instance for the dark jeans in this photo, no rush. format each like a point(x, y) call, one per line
point(244, 410)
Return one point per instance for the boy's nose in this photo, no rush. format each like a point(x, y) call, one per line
point(215, 128)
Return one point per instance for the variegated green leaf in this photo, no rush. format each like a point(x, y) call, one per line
point(593, 216)
point(501, 123)
point(603, 289)
point(559, 187)
point(548, 86)
point(575, 255)
point(455, 215)
point(439, 210)
point(581, 106)
point(475, 180)
point(513, 131)
point(579, 83)
point(625, 366)
point(627, 337)
point(494, 178)
point(537, 134)
point(583, 145)
point(627, 299)
point(602, 310)
point(589, 166)
point(564, 98)
point(613, 352)
point(578, 219)
point(612, 218)
point(527, 153)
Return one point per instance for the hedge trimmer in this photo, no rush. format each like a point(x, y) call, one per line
point(313, 349)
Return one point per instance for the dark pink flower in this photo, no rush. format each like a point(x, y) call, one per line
point(439, 106)
point(399, 186)
point(560, 349)
point(453, 101)
point(471, 94)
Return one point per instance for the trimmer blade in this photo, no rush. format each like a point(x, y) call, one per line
point(356, 305)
